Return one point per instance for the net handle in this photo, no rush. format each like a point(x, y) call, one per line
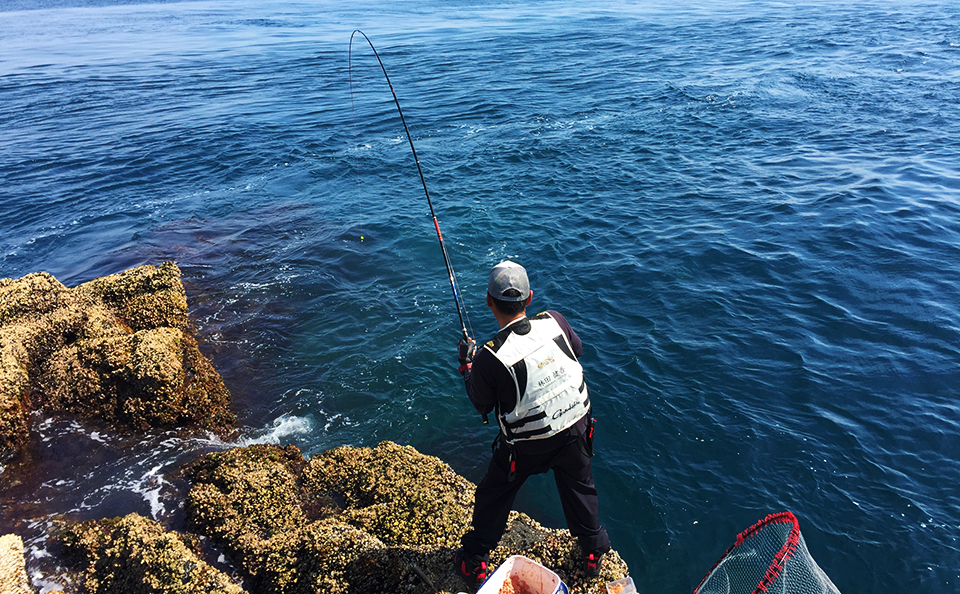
point(779, 560)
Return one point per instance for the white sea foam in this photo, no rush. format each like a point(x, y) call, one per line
point(282, 429)
point(149, 487)
point(40, 581)
point(330, 421)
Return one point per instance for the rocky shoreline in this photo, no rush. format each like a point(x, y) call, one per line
point(261, 518)
point(118, 349)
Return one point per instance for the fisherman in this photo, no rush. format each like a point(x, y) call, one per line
point(530, 377)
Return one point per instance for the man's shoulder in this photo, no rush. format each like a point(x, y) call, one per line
point(557, 316)
point(568, 330)
point(484, 356)
point(486, 367)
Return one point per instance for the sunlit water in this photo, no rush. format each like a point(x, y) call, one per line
point(750, 212)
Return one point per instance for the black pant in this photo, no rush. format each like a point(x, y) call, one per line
point(566, 455)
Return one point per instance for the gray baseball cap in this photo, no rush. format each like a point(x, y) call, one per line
point(508, 282)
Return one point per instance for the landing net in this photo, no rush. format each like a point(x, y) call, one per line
point(768, 557)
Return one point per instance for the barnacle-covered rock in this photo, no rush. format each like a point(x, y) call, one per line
point(248, 500)
point(143, 297)
point(395, 492)
point(14, 391)
point(558, 550)
point(134, 555)
point(151, 378)
point(13, 572)
point(116, 348)
point(357, 520)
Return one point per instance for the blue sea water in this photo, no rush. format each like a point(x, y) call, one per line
point(749, 211)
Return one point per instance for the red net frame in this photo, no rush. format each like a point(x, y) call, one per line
point(779, 560)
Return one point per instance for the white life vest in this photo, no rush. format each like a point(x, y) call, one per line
point(554, 396)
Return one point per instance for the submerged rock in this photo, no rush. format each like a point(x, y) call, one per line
point(116, 348)
point(357, 520)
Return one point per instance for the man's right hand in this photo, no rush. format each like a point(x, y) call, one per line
point(465, 352)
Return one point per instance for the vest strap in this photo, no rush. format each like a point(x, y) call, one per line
point(525, 420)
point(531, 433)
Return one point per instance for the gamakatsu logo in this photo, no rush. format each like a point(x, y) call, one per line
point(545, 362)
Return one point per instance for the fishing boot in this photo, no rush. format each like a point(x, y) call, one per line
point(592, 562)
point(471, 568)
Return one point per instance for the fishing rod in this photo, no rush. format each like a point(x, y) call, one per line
point(461, 308)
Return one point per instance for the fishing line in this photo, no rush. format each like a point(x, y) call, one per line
point(461, 308)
